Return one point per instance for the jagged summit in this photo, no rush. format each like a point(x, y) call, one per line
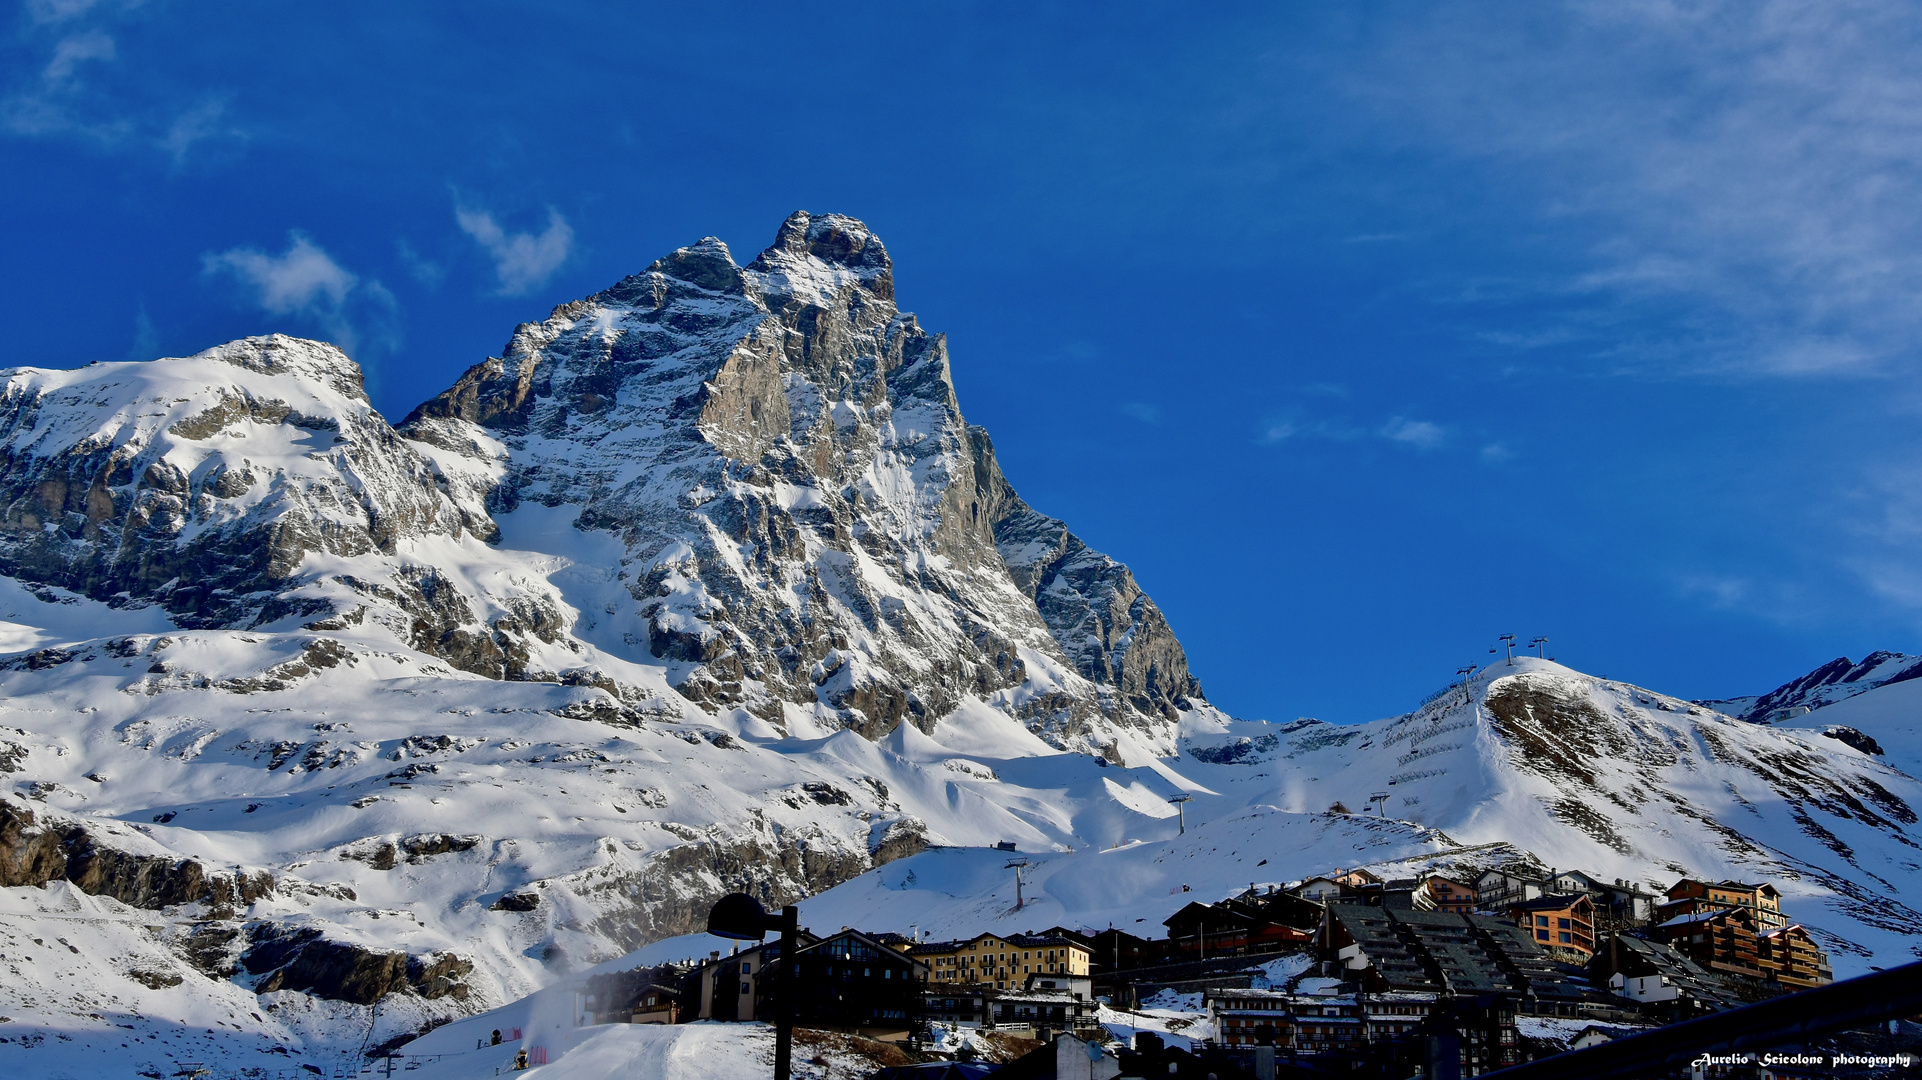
point(811, 530)
point(807, 528)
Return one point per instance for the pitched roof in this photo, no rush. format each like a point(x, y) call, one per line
point(1551, 903)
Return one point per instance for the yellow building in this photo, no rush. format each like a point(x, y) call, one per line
point(1689, 896)
point(1002, 962)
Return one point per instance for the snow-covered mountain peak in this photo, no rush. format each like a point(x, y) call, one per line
point(811, 532)
point(813, 253)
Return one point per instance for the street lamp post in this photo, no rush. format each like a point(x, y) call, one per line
point(742, 918)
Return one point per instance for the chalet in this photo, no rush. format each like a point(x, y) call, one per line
point(852, 983)
point(1230, 927)
point(1400, 893)
point(1450, 894)
point(965, 1007)
point(1497, 889)
point(656, 1004)
point(1790, 958)
point(1118, 950)
point(1562, 925)
point(1042, 1014)
point(1282, 907)
point(1690, 897)
point(1356, 878)
point(1664, 983)
point(649, 995)
point(1726, 942)
point(1721, 939)
point(1319, 889)
point(1619, 900)
point(729, 986)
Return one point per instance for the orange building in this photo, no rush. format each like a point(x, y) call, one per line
point(1451, 894)
point(1563, 925)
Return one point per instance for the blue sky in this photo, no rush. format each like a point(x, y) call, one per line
point(1363, 332)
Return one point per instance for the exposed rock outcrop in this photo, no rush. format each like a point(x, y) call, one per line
point(811, 530)
point(34, 852)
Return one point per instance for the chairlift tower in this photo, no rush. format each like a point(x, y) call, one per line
point(1181, 810)
point(1540, 647)
point(1018, 865)
point(1508, 643)
point(1379, 801)
point(1466, 673)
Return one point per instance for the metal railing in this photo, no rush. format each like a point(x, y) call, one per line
point(1792, 1018)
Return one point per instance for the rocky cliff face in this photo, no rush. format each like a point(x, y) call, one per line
point(662, 603)
point(809, 529)
point(248, 486)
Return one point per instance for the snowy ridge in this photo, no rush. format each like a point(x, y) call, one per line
point(1624, 782)
point(1838, 680)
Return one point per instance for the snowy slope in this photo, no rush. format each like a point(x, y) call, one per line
point(704, 585)
point(1890, 714)
point(1534, 763)
point(1625, 782)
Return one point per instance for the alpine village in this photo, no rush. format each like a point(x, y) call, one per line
point(1341, 974)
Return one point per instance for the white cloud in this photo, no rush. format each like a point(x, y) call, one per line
point(199, 124)
point(522, 261)
point(72, 51)
point(61, 102)
point(47, 12)
point(1496, 453)
point(1417, 433)
point(1747, 174)
point(305, 282)
point(1147, 414)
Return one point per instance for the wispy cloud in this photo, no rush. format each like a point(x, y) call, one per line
point(1740, 180)
point(1400, 430)
point(54, 12)
point(422, 269)
point(205, 122)
point(1420, 434)
point(73, 96)
point(305, 282)
point(522, 261)
point(1147, 414)
point(73, 51)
